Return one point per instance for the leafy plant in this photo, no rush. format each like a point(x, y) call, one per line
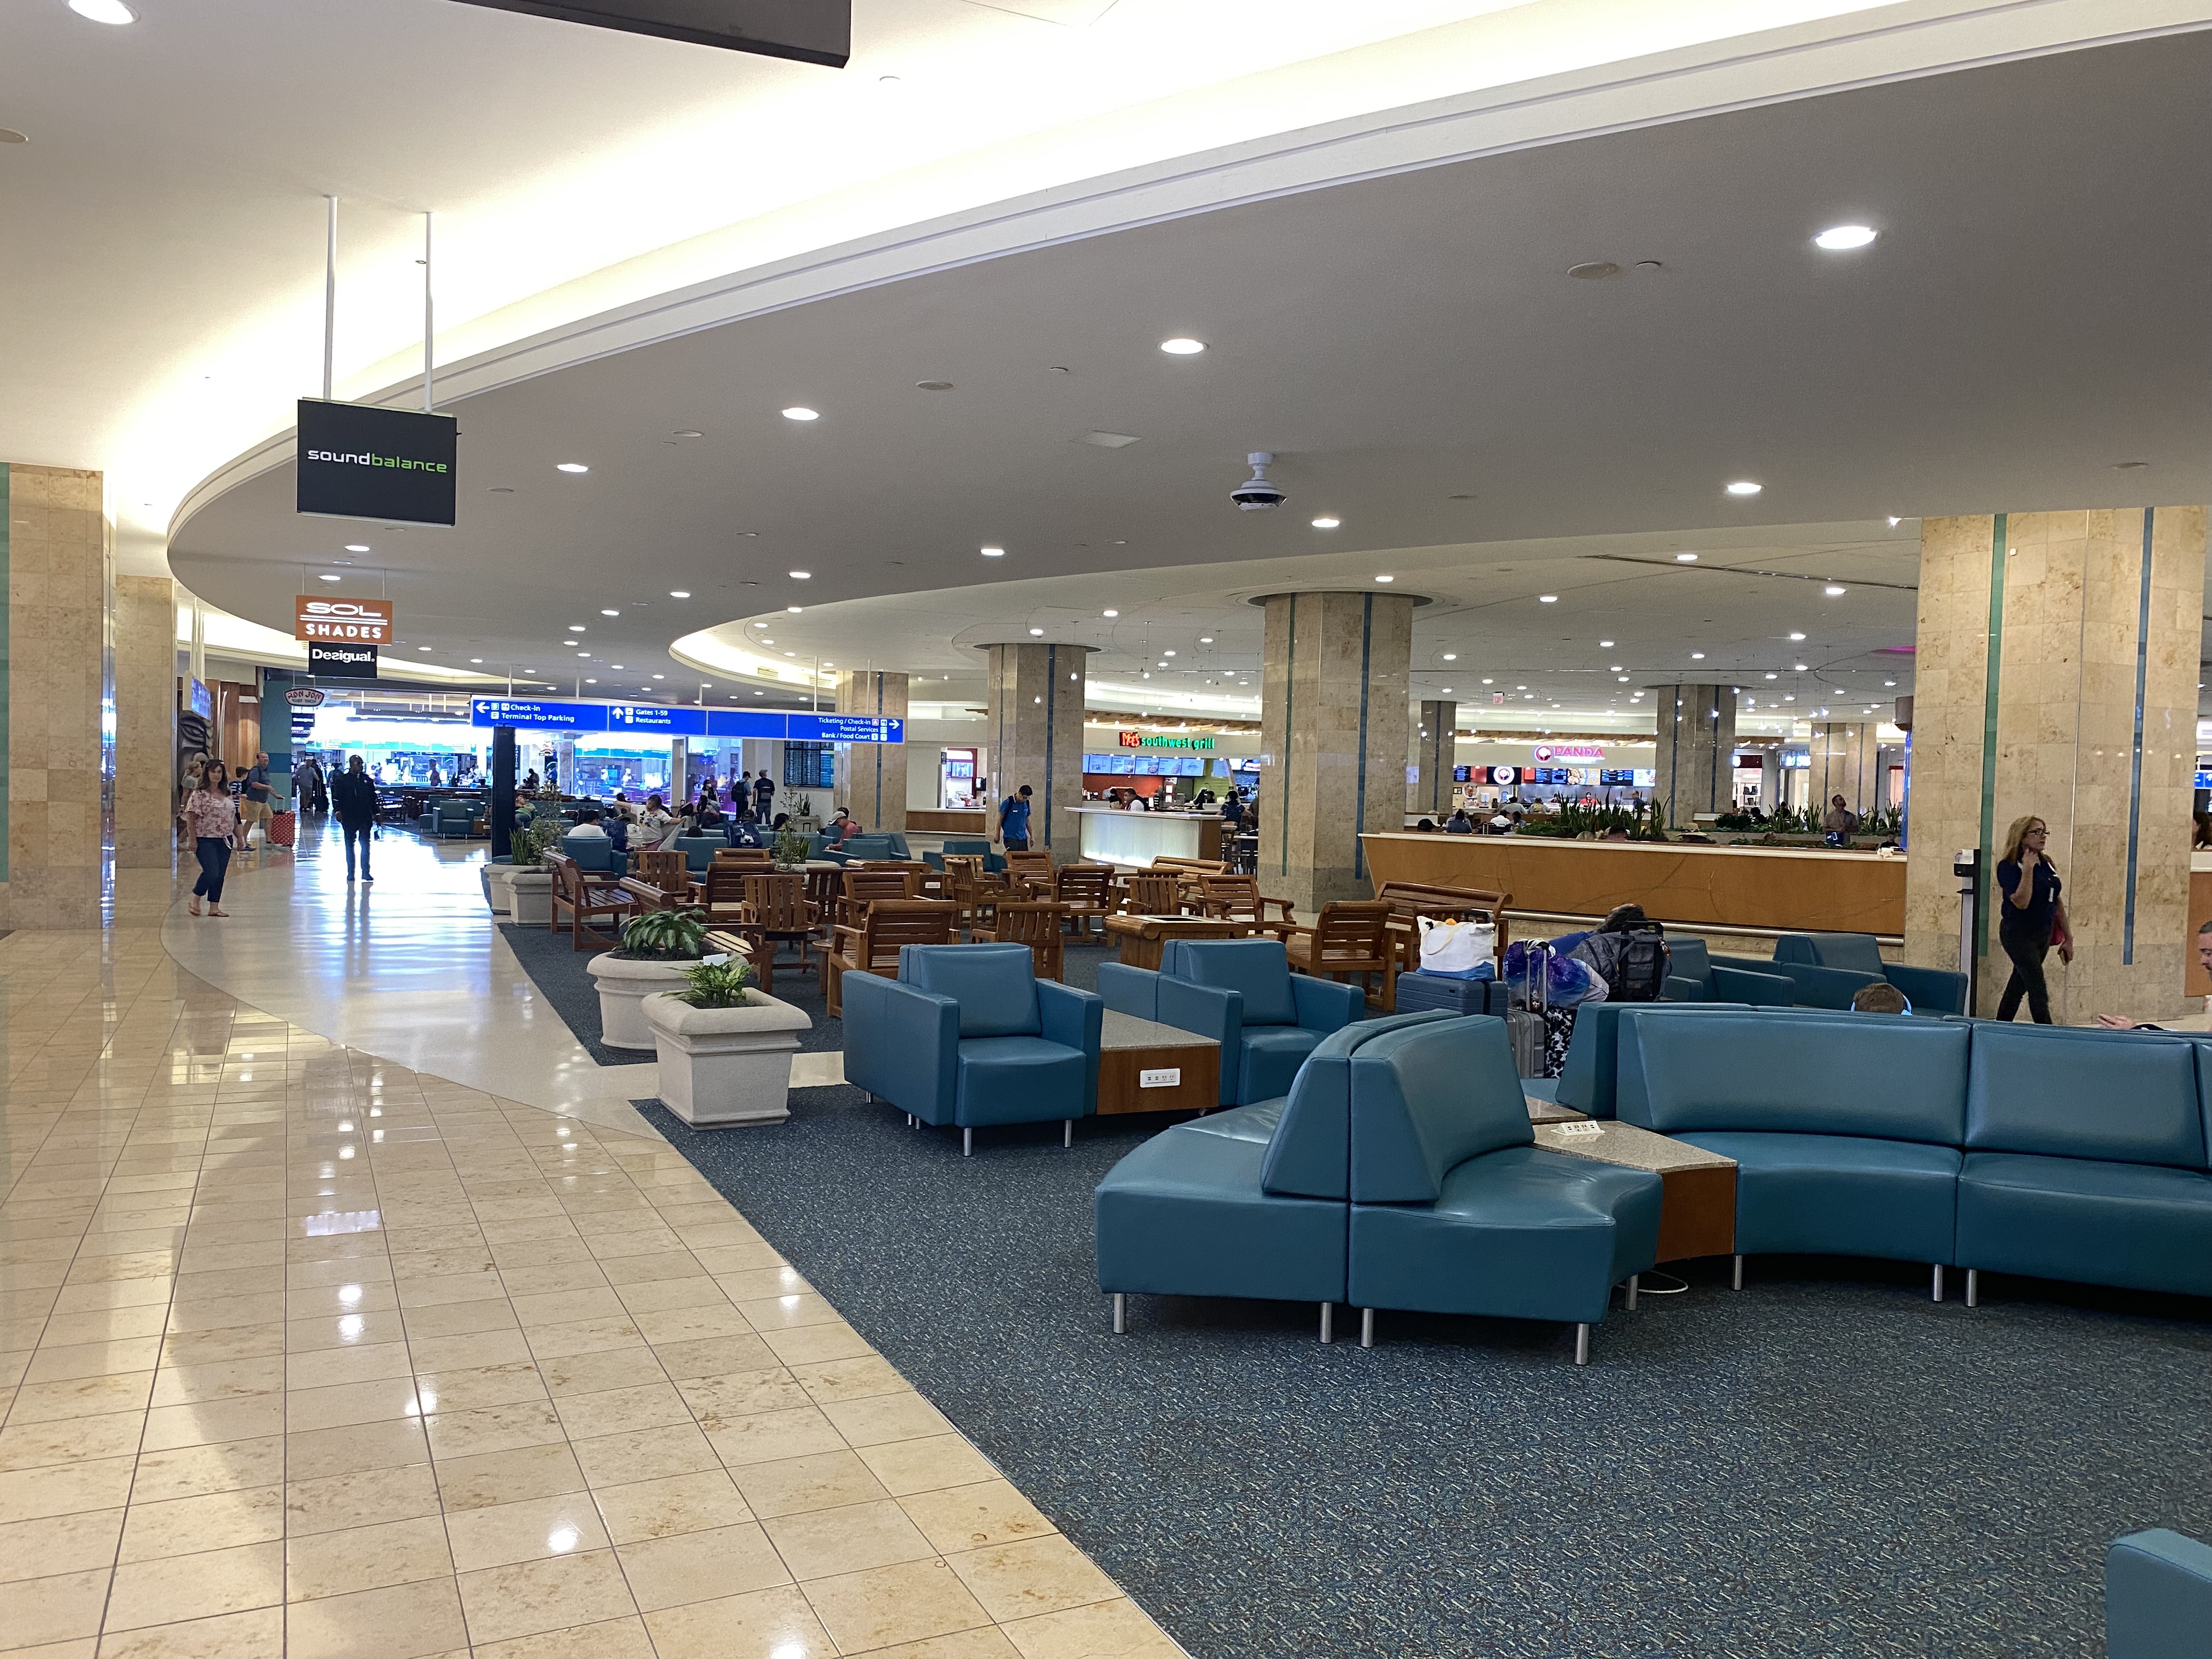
point(718, 984)
point(791, 848)
point(664, 935)
point(533, 841)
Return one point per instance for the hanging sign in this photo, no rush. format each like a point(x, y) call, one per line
point(549, 714)
point(358, 462)
point(304, 696)
point(353, 622)
point(331, 660)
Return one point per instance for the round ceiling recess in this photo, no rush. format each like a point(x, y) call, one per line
point(1596, 271)
point(932, 385)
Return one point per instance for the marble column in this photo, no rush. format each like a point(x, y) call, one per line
point(1332, 738)
point(873, 773)
point(1433, 750)
point(1696, 730)
point(2055, 675)
point(1034, 720)
point(58, 568)
point(145, 722)
point(1846, 756)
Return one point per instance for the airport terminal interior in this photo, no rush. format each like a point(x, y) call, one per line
point(1105, 830)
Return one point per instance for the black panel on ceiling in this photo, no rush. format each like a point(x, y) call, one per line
point(807, 31)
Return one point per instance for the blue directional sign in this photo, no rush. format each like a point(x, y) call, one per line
point(538, 716)
point(657, 717)
point(664, 719)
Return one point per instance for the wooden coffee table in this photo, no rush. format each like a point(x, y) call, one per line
point(1143, 938)
point(1146, 1066)
point(1696, 1215)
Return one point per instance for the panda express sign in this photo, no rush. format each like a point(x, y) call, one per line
point(348, 622)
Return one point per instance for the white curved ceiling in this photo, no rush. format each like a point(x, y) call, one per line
point(1408, 344)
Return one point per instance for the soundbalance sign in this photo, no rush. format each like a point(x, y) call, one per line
point(353, 622)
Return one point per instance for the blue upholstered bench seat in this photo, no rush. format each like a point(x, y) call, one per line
point(2137, 1225)
point(1840, 1194)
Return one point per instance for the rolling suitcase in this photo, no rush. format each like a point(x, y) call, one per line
point(1417, 992)
point(284, 829)
point(1526, 1026)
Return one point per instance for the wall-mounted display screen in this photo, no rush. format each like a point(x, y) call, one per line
point(1462, 774)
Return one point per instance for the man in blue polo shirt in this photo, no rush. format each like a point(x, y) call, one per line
point(1014, 820)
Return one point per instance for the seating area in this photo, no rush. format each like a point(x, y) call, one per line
point(1241, 994)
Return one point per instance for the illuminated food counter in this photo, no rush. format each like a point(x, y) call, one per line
point(1779, 888)
point(1112, 836)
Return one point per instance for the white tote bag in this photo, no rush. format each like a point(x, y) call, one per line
point(1456, 948)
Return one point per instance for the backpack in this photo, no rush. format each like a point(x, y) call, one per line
point(1633, 964)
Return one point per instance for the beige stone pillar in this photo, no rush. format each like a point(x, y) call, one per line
point(57, 559)
point(1332, 738)
point(1034, 720)
point(874, 774)
point(2056, 676)
point(1696, 732)
point(1846, 761)
point(1433, 750)
point(145, 722)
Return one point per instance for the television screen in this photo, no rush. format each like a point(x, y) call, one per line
point(1616, 775)
point(1193, 767)
point(1124, 765)
point(1462, 774)
point(1647, 777)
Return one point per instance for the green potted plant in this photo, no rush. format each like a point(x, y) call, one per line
point(724, 1047)
point(525, 881)
point(789, 850)
point(657, 948)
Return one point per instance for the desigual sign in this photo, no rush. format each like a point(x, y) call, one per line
point(354, 622)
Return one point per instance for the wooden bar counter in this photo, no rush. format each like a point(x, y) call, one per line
point(1777, 888)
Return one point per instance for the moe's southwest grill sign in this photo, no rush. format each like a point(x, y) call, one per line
point(1155, 740)
point(353, 622)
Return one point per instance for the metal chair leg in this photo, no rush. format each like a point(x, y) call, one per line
point(1120, 1313)
point(1973, 1287)
point(1328, 1322)
point(967, 1142)
point(1582, 1344)
point(1066, 1132)
point(1632, 1292)
point(1367, 1328)
point(1936, 1290)
point(1738, 1283)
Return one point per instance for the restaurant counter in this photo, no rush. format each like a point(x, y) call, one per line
point(1114, 835)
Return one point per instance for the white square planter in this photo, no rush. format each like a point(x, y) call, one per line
point(625, 984)
point(721, 1067)
point(529, 895)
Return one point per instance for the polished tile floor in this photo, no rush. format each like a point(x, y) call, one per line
point(308, 1351)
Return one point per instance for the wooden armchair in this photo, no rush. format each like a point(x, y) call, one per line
point(1191, 871)
point(864, 887)
point(722, 890)
point(968, 885)
point(1033, 922)
point(1084, 890)
point(1351, 939)
point(1152, 893)
point(775, 910)
point(665, 871)
point(586, 902)
point(1031, 870)
point(1238, 899)
point(874, 947)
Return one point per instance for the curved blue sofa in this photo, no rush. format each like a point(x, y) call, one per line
point(2054, 1152)
point(2158, 1596)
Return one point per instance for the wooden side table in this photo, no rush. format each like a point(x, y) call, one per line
point(1696, 1215)
point(1146, 1066)
point(1142, 938)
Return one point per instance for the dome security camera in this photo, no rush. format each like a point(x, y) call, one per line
point(1256, 494)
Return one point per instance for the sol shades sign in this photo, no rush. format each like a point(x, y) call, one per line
point(353, 622)
point(357, 462)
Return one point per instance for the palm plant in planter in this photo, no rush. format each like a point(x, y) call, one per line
point(657, 948)
point(718, 984)
point(790, 850)
point(724, 1050)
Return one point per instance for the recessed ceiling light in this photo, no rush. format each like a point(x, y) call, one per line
point(476, 659)
point(1451, 656)
point(567, 642)
point(1183, 346)
point(614, 665)
point(660, 676)
point(992, 552)
point(1894, 682)
point(794, 609)
point(1036, 633)
point(1485, 682)
point(583, 653)
point(1696, 656)
point(421, 647)
point(1895, 521)
point(1206, 639)
point(1686, 558)
point(1796, 668)
point(791, 653)
point(1386, 579)
point(1797, 636)
point(330, 578)
point(764, 638)
point(1838, 238)
point(1109, 613)
point(104, 11)
point(588, 680)
point(799, 412)
point(1832, 590)
point(1547, 598)
point(1774, 677)
point(610, 613)
point(679, 592)
point(1744, 487)
point(802, 575)
point(571, 466)
point(356, 547)
point(1166, 654)
point(1326, 524)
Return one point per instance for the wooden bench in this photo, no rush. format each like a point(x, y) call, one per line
point(587, 901)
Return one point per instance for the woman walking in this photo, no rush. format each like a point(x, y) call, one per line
point(2032, 918)
point(211, 817)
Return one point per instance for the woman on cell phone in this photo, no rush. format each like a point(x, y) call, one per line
point(2032, 918)
point(211, 818)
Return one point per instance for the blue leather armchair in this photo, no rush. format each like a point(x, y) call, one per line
point(595, 855)
point(2086, 1158)
point(2158, 1596)
point(1456, 1210)
point(1695, 975)
point(968, 1036)
point(1929, 990)
point(1846, 1129)
point(1251, 1202)
point(698, 851)
point(1241, 994)
point(964, 847)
